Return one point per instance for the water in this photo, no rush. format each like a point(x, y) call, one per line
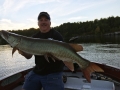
point(10, 65)
point(102, 53)
point(108, 54)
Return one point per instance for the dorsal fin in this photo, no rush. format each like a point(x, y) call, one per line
point(77, 47)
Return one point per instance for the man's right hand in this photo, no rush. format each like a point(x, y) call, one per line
point(26, 55)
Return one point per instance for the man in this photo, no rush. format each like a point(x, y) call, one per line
point(45, 74)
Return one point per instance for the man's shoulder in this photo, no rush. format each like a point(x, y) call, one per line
point(57, 35)
point(36, 34)
point(55, 32)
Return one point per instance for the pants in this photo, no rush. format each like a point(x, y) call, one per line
point(48, 82)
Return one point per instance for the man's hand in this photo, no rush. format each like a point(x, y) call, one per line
point(20, 52)
point(26, 55)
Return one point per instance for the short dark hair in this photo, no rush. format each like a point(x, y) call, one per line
point(44, 14)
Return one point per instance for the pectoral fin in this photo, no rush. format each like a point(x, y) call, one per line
point(46, 57)
point(51, 56)
point(53, 59)
point(13, 51)
point(77, 47)
point(69, 65)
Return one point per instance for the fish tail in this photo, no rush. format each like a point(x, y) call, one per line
point(91, 68)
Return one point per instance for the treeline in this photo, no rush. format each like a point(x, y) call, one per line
point(96, 27)
point(68, 30)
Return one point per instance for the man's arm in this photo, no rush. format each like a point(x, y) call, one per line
point(26, 55)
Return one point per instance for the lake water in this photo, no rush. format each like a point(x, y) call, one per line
point(102, 53)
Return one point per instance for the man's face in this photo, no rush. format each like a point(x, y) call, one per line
point(44, 24)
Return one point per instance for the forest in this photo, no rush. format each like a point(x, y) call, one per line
point(85, 30)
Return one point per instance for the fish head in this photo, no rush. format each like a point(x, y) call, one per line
point(11, 38)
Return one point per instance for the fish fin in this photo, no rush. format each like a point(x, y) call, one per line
point(53, 59)
point(69, 65)
point(91, 68)
point(77, 47)
point(13, 51)
point(46, 57)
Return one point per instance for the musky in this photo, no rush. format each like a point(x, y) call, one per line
point(22, 14)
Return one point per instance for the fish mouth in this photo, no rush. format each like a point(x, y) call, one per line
point(4, 34)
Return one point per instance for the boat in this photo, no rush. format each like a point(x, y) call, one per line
point(107, 80)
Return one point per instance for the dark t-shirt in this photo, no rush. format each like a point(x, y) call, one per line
point(43, 67)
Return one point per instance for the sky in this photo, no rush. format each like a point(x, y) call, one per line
point(22, 14)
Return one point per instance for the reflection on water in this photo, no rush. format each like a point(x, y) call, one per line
point(10, 65)
point(102, 53)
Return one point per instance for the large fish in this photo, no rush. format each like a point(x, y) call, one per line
point(51, 48)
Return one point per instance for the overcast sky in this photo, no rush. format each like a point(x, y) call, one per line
point(22, 14)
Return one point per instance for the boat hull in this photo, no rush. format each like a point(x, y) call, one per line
point(109, 71)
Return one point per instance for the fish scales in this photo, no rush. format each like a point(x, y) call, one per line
point(58, 49)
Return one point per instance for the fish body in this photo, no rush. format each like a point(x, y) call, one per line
point(50, 48)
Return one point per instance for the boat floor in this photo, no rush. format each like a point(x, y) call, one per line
point(117, 87)
point(75, 81)
point(20, 88)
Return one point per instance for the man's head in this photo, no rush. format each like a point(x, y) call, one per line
point(44, 22)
